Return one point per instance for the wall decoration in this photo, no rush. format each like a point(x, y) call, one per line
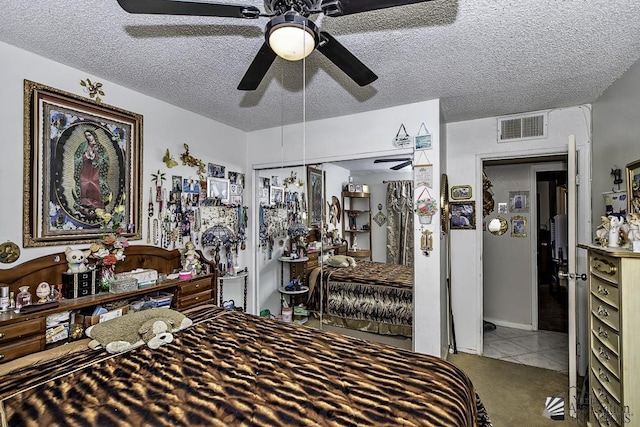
point(277, 195)
point(218, 188)
point(316, 197)
point(9, 252)
point(401, 140)
point(518, 226)
point(498, 226)
point(215, 171)
point(519, 201)
point(423, 141)
point(93, 89)
point(80, 156)
point(488, 203)
point(633, 187)
point(189, 160)
point(463, 215)
point(502, 208)
point(265, 187)
point(168, 160)
point(380, 218)
point(461, 192)
point(236, 178)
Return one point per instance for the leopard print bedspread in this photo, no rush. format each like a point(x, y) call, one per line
point(236, 369)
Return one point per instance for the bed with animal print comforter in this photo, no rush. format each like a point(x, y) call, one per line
point(235, 369)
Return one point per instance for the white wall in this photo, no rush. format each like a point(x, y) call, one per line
point(616, 131)
point(164, 126)
point(468, 143)
point(367, 135)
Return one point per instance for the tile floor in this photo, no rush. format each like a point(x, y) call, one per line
point(544, 349)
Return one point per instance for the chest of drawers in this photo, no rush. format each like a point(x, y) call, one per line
point(614, 363)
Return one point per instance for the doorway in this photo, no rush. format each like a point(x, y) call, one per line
point(526, 309)
point(552, 307)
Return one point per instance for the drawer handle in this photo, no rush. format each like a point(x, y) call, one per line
point(602, 291)
point(604, 267)
point(197, 298)
point(1, 356)
point(602, 395)
point(197, 285)
point(602, 333)
point(603, 353)
point(603, 312)
point(603, 375)
point(1, 335)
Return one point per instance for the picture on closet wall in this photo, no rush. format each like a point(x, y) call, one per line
point(218, 188)
point(85, 160)
point(215, 171)
point(519, 201)
point(277, 195)
point(265, 186)
point(463, 215)
point(518, 226)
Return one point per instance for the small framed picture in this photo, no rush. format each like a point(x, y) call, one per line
point(358, 188)
point(463, 215)
point(352, 188)
point(518, 226)
point(502, 208)
point(236, 200)
point(519, 201)
point(218, 188)
point(277, 195)
point(461, 192)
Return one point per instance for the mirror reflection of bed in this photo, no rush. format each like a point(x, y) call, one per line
point(373, 299)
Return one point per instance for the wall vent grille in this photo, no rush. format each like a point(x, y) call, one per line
point(519, 128)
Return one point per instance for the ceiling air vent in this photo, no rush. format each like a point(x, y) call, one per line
point(519, 128)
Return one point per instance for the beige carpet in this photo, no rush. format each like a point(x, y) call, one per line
point(515, 394)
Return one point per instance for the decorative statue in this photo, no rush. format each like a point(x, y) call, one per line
point(615, 224)
point(190, 258)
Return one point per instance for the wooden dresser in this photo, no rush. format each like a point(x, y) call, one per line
point(614, 361)
point(22, 334)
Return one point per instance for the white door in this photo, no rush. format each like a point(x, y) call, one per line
point(576, 269)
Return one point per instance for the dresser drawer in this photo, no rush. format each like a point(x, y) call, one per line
point(606, 267)
point(21, 329)
point(603, 399)
point(607, 292)
point(600, 416)
point(195, 299)
point(604, 377)
point(195, 287)
point(605, 334)
point(605, 356)
point(605, 312)
point(22, 347)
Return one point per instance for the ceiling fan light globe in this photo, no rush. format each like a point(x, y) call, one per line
point(291, 42)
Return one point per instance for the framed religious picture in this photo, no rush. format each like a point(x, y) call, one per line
point(83, 165)
point(315, 197)
point(277, 195)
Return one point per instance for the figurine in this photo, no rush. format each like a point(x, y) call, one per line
point(190, 258)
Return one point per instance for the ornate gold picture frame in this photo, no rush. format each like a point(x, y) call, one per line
point(518, 226)
point(633, 187)
point(79, 156)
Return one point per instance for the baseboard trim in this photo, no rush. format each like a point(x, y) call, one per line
point(506, 324)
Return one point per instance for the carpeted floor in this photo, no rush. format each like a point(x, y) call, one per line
point(515, 394)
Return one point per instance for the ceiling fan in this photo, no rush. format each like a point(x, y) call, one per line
point(288, 34)
point(404, 162)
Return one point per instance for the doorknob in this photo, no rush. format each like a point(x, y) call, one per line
point(572, 276)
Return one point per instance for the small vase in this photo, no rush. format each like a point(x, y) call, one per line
point(107, 275)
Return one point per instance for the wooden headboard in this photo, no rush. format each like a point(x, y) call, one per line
point(49, 268)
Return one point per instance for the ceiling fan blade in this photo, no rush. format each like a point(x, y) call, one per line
point(345, 60)
point(258, 68)
point(172, 7)
point(401, 165)
point(349, 7)
point(391, 160)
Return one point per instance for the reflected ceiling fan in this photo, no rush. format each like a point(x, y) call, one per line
point(289, 33)
point(404, 162)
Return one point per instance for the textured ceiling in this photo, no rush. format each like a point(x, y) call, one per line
point(482, 58)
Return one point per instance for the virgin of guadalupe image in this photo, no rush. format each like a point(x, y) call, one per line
point(91, 168)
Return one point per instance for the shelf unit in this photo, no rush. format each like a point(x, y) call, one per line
point(356, 223)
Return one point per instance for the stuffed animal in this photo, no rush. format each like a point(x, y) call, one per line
point(154, 326)
point(341, 261)
point(77, 259)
